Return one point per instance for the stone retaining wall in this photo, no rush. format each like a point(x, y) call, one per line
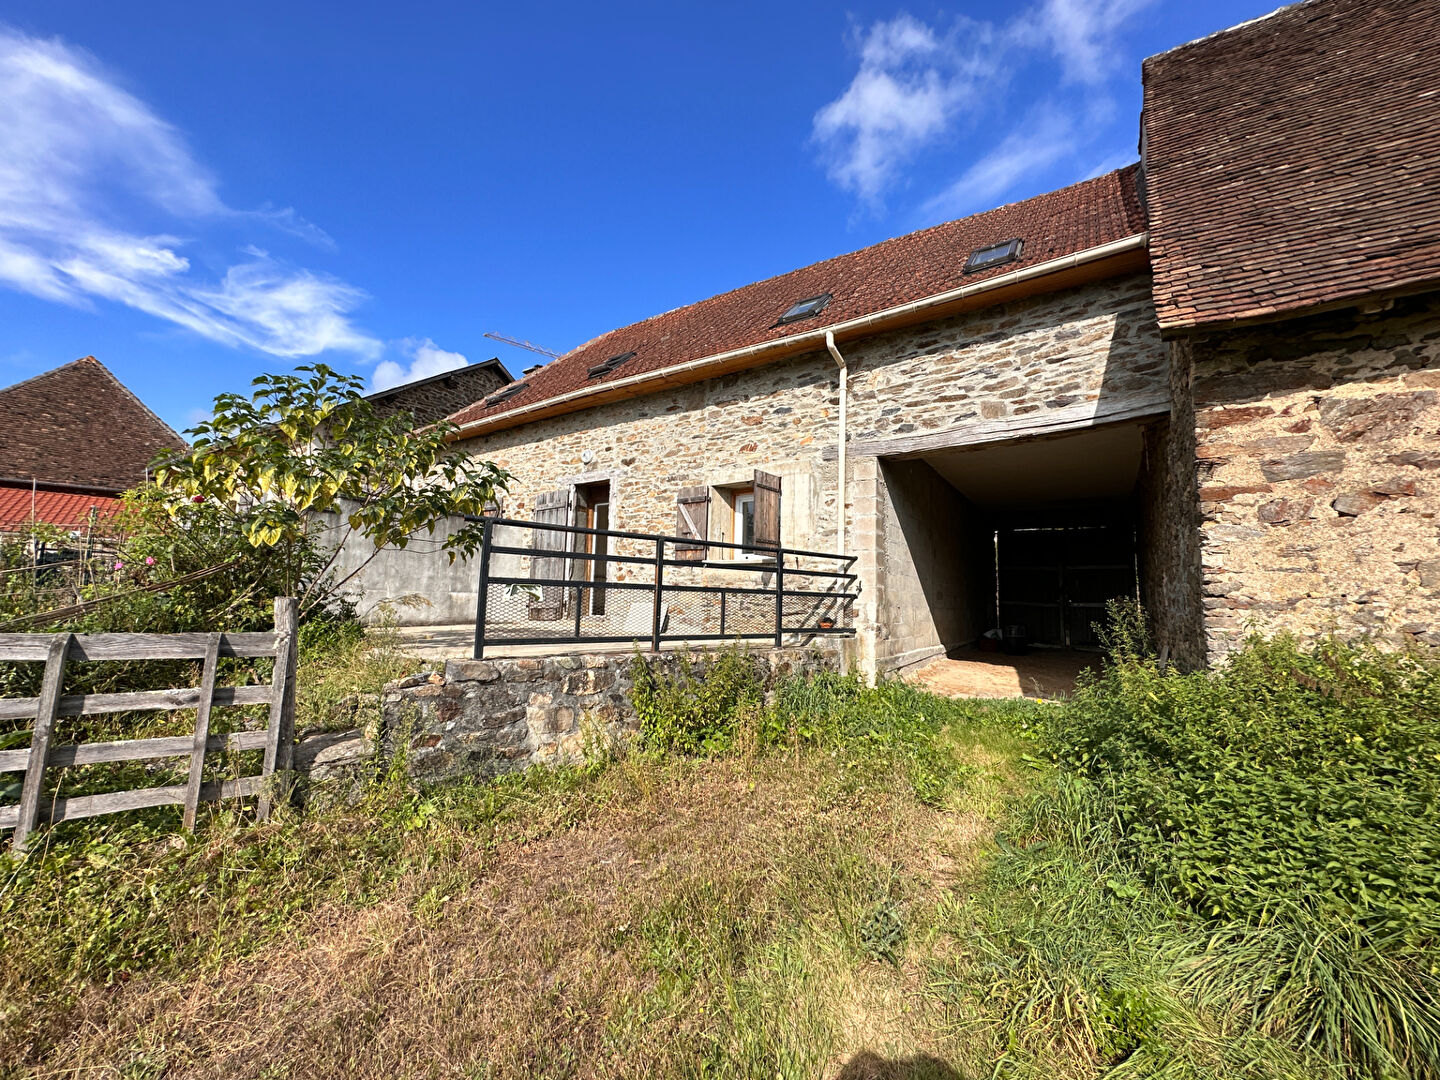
point(482, 718)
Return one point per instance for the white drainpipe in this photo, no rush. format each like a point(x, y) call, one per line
point(840, 447)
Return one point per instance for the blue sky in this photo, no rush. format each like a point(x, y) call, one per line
point(198, 193)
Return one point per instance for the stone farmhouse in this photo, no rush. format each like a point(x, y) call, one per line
point(1208, 379)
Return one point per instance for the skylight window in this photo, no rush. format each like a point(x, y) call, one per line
point(803, 309)
point(607, 366)
point(994, 255)
point(504, 395)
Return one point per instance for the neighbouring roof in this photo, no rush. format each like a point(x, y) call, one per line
point(898, 271)
point(1292, 162)
point(65, 509)
point(493, 365)
point(77, 425)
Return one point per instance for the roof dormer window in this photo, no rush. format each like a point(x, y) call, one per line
point(803, 309)
point(994, 255)
point(607, 366)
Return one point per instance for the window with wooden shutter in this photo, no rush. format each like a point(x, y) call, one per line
point(767, 510)
point(693, 522)
point(551, 508)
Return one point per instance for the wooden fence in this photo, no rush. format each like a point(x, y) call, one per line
point(56, 650)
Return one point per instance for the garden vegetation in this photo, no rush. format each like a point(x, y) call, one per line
point(1198, 875)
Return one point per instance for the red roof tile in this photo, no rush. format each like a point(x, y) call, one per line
point(77, 425)
point(66, 509)
point(897, 271)
point(1294, 161)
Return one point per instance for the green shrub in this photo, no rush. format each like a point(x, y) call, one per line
point(1290, 779)
point(1290, 802)
point(700, 707)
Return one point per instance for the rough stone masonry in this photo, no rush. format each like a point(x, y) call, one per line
point(1318, 450)
point(484, 718)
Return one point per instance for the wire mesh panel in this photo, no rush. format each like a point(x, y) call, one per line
point(544, 582)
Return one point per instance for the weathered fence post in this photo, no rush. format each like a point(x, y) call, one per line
point(49, 706)
point(280, 735)
point(202, 731)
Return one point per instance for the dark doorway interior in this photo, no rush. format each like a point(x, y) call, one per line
point(1056, 572)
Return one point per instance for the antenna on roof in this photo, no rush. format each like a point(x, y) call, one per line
point(523, 345)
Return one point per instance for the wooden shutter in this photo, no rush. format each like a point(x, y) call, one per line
point(767, 510)
point(694, 522)
point(551, 508)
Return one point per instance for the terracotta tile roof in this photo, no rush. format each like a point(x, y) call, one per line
point(1294, 161)
point(77, 425)
point(897, 271)
point(66, 509)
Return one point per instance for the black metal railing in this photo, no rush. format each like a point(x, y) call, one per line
point(552, 584)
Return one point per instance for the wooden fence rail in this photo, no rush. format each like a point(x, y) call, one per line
point(57, 650)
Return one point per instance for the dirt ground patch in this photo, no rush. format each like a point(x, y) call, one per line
point(1044, 674)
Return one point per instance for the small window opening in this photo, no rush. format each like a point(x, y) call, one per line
point(504, 395)
point(610, 365)
point(744, 503)
point(803, 309)
point(994, 255)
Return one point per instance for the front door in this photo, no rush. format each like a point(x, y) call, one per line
point(592, 511)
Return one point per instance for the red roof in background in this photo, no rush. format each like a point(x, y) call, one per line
point(78, 425)
point(65, 509)
point(897, 271)
point(1294, 161)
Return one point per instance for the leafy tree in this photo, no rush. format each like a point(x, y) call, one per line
point(308, 445)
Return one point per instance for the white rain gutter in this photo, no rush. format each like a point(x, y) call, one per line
point(817, 337)
point(840, 444)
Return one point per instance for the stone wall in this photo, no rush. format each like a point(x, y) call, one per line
point(435, 398)
point(486, 717)
point(1319, 475)
point(995, 373)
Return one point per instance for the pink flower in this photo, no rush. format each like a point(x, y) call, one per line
point(119, 565)
point(149, 560)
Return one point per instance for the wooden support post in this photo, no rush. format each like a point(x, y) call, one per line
point(45, 712)
point(279, 743)
point(202, 731)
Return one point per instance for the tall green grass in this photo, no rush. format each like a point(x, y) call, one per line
point(1250, 853)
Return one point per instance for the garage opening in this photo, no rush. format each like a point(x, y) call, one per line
point(1026, 539)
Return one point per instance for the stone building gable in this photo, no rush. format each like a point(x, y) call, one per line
point(440, 395)
point(1318, 450)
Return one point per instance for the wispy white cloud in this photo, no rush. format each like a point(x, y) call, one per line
point(98, 195)
point(1080, 34)
point(911, 85)
point(917, 85)
point(426, 359)
point(1047, 135)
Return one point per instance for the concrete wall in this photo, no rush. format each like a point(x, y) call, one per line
point(412, 586)
point(935, 566)
point(1318, 449)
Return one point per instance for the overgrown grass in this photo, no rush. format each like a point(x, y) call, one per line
point(815, 878)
